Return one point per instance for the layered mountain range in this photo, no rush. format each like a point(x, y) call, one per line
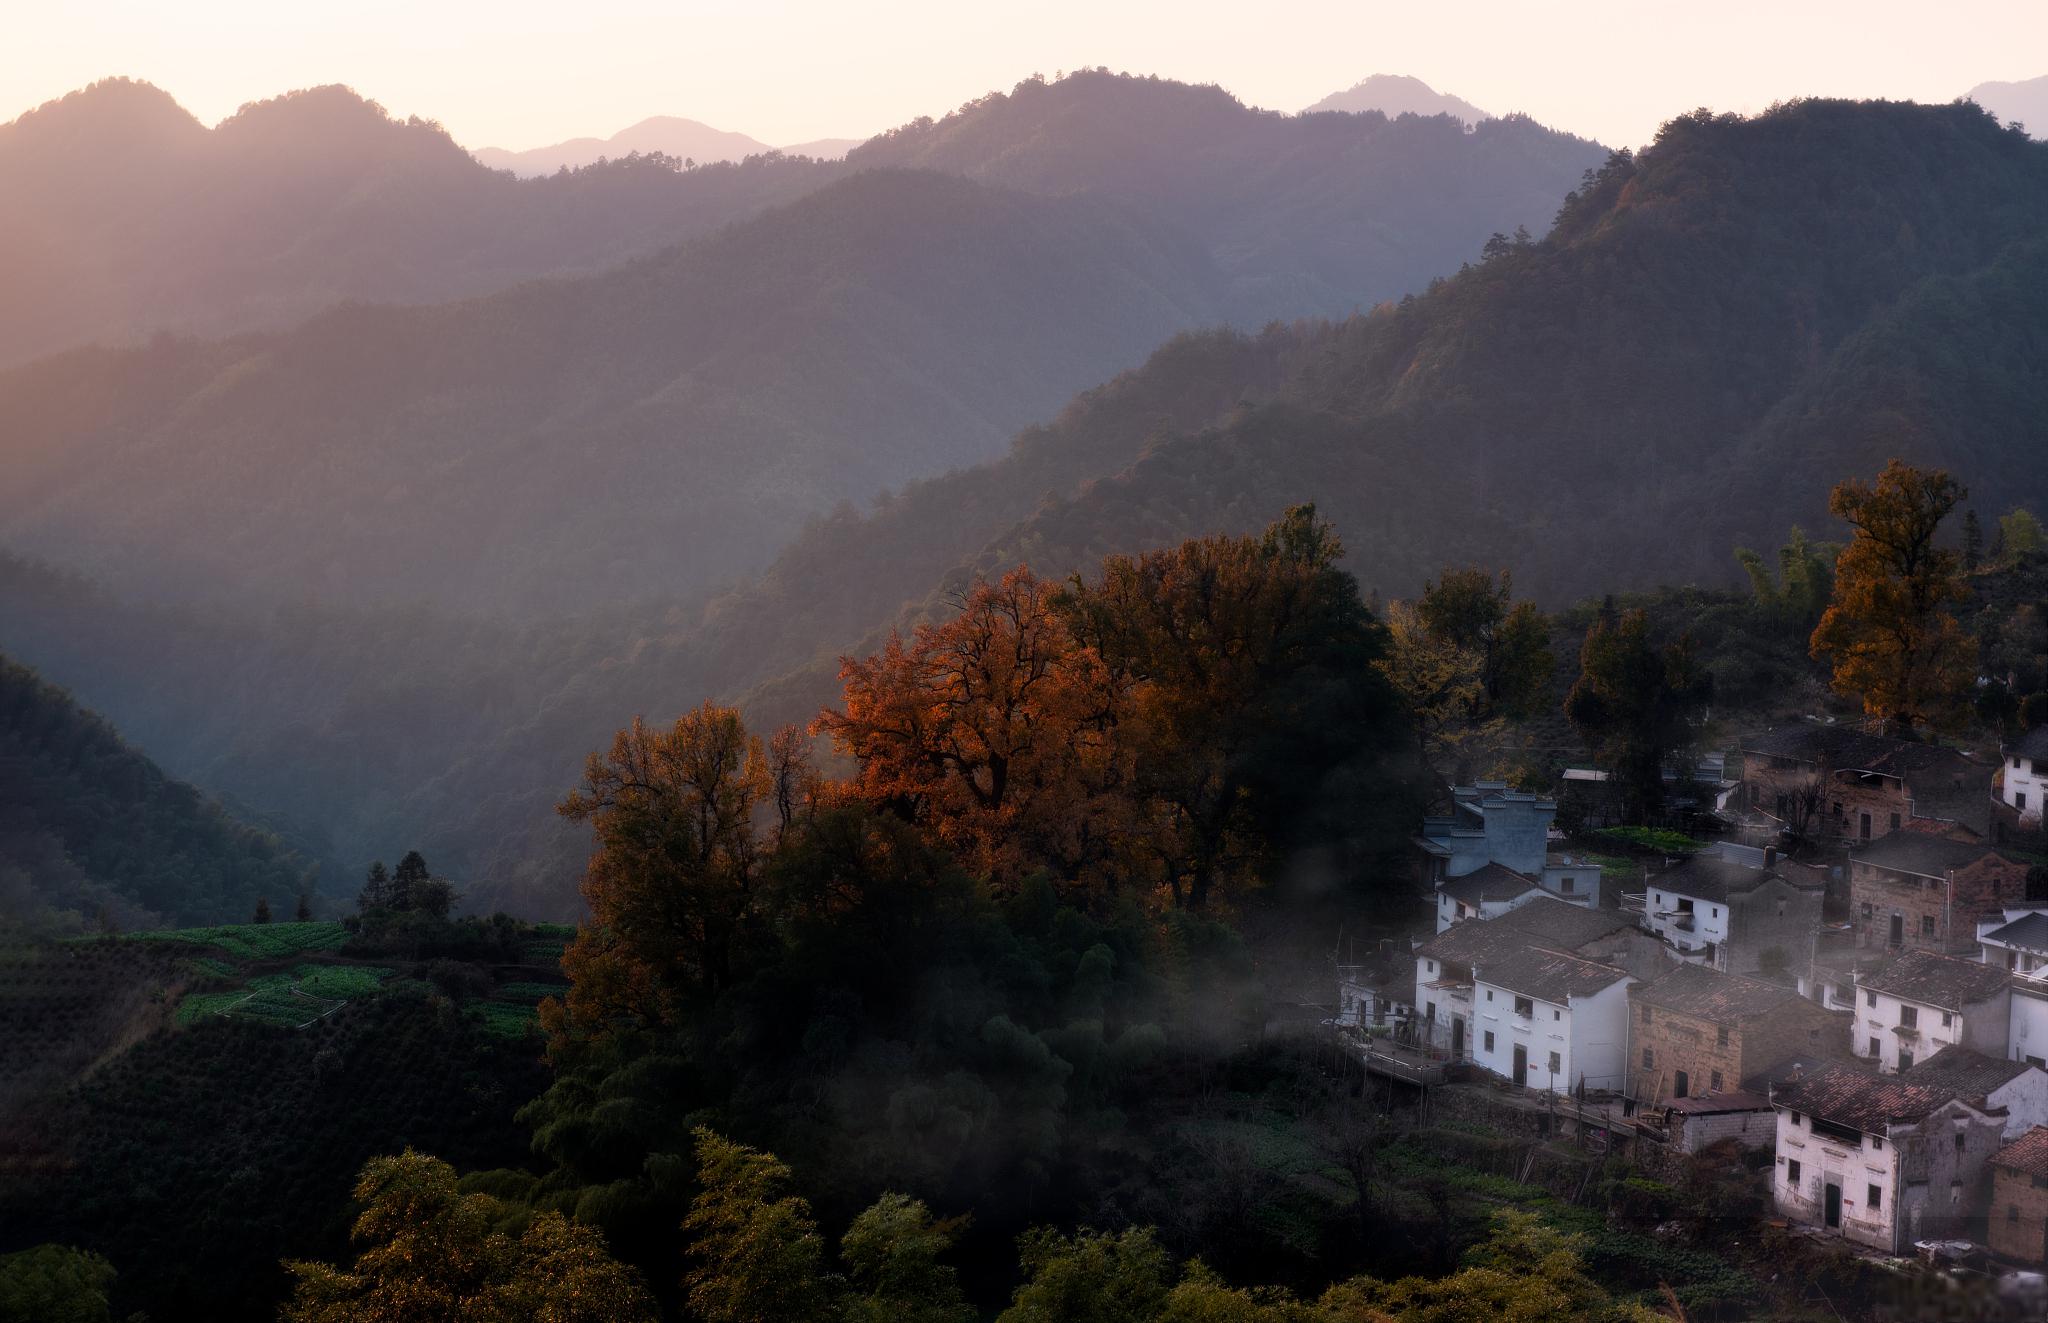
point(1710, 334)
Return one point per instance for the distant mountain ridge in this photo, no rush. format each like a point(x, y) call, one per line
point(122, 216)
point(949, 283)
point(2024, 102)
point(1399, 94)
point(670, 135)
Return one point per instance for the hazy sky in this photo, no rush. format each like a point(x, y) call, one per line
point(520, 73)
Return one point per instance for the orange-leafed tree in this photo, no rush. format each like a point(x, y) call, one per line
point(1888, 631)
point(993, 730)
point(678, 816)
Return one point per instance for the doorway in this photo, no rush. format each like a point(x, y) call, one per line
point(1833, 1216)
point(1898, 930)
point(1865, 825)
point(1458, 1036)
point(1679, 1084)
point(1521, 1064)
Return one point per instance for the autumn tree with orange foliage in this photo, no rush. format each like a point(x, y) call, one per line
point(994, 731)
point(1888, 631)
point(679, 817)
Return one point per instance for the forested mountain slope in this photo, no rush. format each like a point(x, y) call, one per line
point(122, 215)
point(650, 431)
point(1715, 333)
point(91, 829)
point(1310, 215)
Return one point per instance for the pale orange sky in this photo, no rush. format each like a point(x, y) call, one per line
point(520, 73)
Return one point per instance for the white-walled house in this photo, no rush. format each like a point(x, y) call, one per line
point(2015, 1089)
point(1484, 893)
point(2016, 939)
point(1738, 910)
point(1883, 1161)
point(1550, 1020)
point(1919, 1002)
point(2027, 1032)
point(1505, 833)
point(2023, 779)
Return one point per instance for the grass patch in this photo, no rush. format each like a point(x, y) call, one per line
point(196, 1006)
point(505, 1019)
point(1650, 840)
point(341, 982)
point(528, 992)
point(255, 941)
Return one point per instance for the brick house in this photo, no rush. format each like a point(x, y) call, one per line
point(1835, 783)
point(1919, 1002)
point(2018, 1214)
point(1880, 1160)
point(1914, 890)
point(1695, 1031)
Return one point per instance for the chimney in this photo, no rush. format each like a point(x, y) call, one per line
point(1770, 856)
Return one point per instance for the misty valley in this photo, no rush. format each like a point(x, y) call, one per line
point(1111, 706)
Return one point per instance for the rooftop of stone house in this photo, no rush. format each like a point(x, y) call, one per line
point(1710, 995)
point(1965, 1072)
point(1860, 1098)
point(2028, 1154)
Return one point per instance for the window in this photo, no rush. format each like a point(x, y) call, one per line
point(1876, 1144)
point(1866, 911)
point(1524, 1007)
point(1649, 1060)
point(1905, 1059)
point(1959, 1141)
point(1874, 1049)
point(1869, 998)
point(1489, 1040)
point(1489, 994)
point(1557, 1015)
point(1432, 966)
point(1792, 1173)
point(1927, 925)
point(1714, 1081)
point(1909, 1017)
point(1873, 1198)
point(1947, 1020)
point(1721, 1036)
point(1717, 911)
point(2019, 799)
point(1571, 884)
point(1685, 905)
point(1556, 1063)
point(1429, 1010)
point(1795, 1118)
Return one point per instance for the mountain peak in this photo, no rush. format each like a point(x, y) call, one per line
point(113, 111)
point(1399, 94)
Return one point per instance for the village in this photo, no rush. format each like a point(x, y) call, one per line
point(1871, 1014)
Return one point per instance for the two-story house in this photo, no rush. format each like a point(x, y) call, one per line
point(1550, 1020)
point(2022, 785)
point(1825, 782)
point(2016, 938)
point(2018, 1230)
point(1918, 1002)
point(2013, 1092)
point(1695, 1031)
point(1738, 911)
point(1915, 890)
point(1880, 1160)
point(1444, 964)
point(1505, 835)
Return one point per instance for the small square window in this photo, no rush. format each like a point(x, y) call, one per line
point(1524, 1007)
point(1721, 1036)
point(1909, 1017)
point(1869, 998)
point(1947, 1020)
point(1876, 1144)
point(1557, 1015)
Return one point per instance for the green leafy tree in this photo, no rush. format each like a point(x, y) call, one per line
point(2020, 533)
point(54, 1284)
point(376, 892)
point(892, 1253)
point(755, 1253)
point(1472, 610)
point(1090, 1277)
point(1634, 704)
point(431, 1254)
point(1888, 631)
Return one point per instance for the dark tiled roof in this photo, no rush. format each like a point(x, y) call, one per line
point(2029, 930)
point(1709, 1103)
point(1964, 1073)
point(1544, 921)
point(1493, 882)
point(1711, 995)
point(1792, 1068)
point(2028, 1153)
point(1844, 749)
point(1709, 877)
point(1550, 976)
point(2033, 744)
point(1919, 853)
point(1937, 980)
point(1852, 1096)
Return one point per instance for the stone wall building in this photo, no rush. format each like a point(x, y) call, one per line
point(2018, 1214)
point(1695, 1031)
point(1914, 890)
point(1750, 914)
point(1833, 783)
